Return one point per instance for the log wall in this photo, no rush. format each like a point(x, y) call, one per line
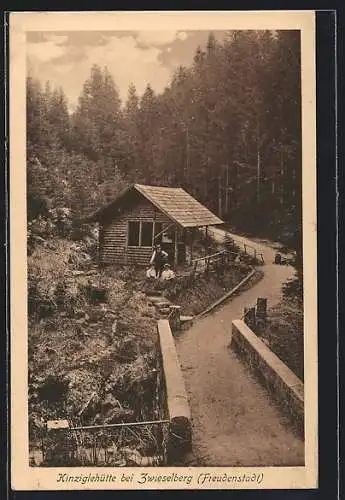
point(113, 245)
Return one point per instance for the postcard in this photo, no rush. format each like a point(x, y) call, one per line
point(163, 250)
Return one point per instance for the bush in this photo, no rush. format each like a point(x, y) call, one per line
point(285, 334)
point(293, 288)
point(54, 390)
point(51, 286)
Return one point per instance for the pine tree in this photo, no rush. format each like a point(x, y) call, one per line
point(132, 135)
point(58, 116)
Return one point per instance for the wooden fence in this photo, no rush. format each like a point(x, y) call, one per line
point(248, 249)
point(225, 257)
point(208, 262)
point(243, 248)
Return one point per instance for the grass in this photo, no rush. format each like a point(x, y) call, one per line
point(205, 290)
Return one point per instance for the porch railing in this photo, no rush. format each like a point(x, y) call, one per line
point(204, 264)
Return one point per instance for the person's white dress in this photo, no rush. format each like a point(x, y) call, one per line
point(167, 274)
point(151, 272)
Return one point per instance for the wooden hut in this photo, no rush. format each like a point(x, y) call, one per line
point(142, 216)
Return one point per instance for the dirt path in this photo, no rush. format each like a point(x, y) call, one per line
point(234, 421)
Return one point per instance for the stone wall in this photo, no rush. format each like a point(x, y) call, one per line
point(286, 388)
point(179, 442)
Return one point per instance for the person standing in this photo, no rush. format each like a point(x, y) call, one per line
point(158, 259)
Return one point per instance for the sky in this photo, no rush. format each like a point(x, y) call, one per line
point(139, 57)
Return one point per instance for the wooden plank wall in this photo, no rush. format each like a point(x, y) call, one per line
point(114, 249)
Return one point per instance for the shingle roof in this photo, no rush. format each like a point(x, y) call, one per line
point(175, 203)
point(178, 205)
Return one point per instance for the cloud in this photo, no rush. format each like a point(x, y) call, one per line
point(65, 59)
point(64, 68)
point(47, 50)
point(160, 37)
point(182, 35)
point(129, 63)
point(69, 67)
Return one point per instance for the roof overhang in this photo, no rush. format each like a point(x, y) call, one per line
point(101, 213)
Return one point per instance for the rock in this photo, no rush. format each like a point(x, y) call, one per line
point(79, 329)
point(115, 415)
point(164, 313)
point(127, 351)
point(98, 294)
point(186, 318)
point(164, 309)
point(163, 305)
point(91, 272)
point(133, 456)
point(278, 258)
point(79, 313)
point(96, 315)
point(153, 294)
point(156, 300)
point(110, 312)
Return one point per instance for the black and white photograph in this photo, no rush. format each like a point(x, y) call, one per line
point(165, 331)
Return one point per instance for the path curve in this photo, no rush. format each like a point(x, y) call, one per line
point(234, 421)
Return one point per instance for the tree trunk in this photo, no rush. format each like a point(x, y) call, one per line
point(227, 191)
point(176, 247)
point(220, 208)
point(258, 162)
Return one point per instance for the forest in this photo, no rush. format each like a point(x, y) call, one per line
point(227, 129)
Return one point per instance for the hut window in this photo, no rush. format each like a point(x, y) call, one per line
point(146, 234)
point(134, 234)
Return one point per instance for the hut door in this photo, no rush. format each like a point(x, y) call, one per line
point(168, 242)
point(157, 233)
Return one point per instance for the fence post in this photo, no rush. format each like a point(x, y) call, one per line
point(175, 317)
point(207, 262)
point(261, 314)
point(249, 317)
point(261, 308)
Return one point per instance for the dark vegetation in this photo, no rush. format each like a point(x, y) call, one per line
point(285, 331)
point(228, 130)
point(285, 327)
point(284, 334)
point(92, 338)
